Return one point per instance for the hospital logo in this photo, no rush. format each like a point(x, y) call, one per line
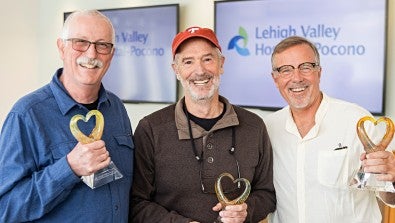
point(239, 43)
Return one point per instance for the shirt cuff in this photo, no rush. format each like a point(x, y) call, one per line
point(63, 174)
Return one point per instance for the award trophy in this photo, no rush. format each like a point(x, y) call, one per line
point(368, 181)
point(221, 196)
point(104, 175)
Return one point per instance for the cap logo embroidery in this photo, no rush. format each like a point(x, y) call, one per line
point(193, 29)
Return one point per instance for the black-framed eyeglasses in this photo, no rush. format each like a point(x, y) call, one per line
point(83, 45)
point(305, 69)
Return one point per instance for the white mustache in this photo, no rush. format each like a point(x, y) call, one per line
point(89, 62)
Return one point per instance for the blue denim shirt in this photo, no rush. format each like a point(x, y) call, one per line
point(36, 181)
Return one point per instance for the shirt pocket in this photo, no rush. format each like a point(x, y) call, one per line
point(123, 158)
point(332, 168)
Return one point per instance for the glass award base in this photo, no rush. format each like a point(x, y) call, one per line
point(103, 176)
point(368, 181)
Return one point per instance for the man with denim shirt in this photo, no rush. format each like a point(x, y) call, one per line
point(41, 161)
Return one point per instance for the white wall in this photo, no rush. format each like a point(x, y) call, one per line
point(29, 55)
point(18, 44)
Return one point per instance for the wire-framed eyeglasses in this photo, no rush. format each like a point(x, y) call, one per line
point(228, 186)
point(305, 69)
point(83, 45)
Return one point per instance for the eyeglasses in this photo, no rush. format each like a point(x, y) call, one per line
point(228, 186)
point(83, 45)
point(305, 69)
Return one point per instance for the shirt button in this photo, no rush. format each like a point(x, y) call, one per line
point(209, 146)
point(116, 207)
point(210, 159)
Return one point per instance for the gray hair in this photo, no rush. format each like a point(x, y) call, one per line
point(66, 25)
point(294, 41)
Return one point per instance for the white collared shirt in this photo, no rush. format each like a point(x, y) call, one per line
point(311, 178)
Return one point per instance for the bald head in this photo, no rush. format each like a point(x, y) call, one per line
point(85, 13)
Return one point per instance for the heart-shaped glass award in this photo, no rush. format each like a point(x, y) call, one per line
point(221, 195)
point(104, 175)
point(368, 181)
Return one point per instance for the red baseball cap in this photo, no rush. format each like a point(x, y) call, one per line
point(191, 32)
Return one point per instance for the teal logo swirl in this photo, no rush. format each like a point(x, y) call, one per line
point(234, 43)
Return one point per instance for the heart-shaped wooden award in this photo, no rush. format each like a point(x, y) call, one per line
point(96, 133)
point(368, 145)
point(221, 196)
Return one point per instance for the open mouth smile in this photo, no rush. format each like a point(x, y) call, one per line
point(297, 89)
point(89, 66)
point(201, 82)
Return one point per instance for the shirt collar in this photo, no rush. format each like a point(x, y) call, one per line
point(229, 119)
point(62, 97)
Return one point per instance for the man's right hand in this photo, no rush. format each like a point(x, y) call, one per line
point(86, 159)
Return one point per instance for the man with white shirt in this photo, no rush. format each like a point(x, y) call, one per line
point(316, 151)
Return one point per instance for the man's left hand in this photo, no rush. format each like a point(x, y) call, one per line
point(380, 162)
point(232, 213)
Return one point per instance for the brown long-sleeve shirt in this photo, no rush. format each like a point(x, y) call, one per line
point(167, 182)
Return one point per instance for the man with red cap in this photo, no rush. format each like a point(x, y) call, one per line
point(182, 149)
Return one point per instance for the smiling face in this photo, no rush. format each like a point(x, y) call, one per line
point(85, 70)
point(300, 91)
point(198, 66)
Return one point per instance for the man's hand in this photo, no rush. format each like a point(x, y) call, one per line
point(86, 159)
point(380, 162)
point(232, 213)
